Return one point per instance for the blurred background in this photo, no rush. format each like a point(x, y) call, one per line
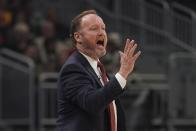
point(34, 43)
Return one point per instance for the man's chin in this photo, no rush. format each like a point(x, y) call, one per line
point(101, 53)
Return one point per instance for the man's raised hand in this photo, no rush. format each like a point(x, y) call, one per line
point(128, 58)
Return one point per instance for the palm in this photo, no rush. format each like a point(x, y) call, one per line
point(128, 58)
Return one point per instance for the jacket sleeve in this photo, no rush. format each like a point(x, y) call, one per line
point(79, 88)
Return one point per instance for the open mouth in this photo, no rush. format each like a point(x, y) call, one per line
point(100, 42)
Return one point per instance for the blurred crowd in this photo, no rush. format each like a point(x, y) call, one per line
point(42, 36)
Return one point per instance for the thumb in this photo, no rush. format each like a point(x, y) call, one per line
point(121, 56)
point(121, 53)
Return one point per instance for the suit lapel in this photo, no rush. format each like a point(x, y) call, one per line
point(88, 67)
point(94, 75)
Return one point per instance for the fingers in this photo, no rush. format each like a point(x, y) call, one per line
point(136, 55)
point(130, 45)
point(130, 48)
point(126, 46)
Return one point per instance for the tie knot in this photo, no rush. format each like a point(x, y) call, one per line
point(103, 72)
point(100, 65)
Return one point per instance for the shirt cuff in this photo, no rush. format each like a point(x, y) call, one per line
point(121, 80)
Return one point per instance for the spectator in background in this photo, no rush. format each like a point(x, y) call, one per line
point(32, 52)
point(20, 37)
point(45, 43)
point(63, 50)
point(6, 18)
point(61, 30)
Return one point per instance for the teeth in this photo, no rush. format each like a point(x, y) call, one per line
point(101, 38)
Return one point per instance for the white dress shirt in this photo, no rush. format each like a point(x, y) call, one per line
point(122, 81)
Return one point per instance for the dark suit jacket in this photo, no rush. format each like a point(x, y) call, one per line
point(82, 100)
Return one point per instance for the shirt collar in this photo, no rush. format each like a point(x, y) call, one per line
point(91, 61)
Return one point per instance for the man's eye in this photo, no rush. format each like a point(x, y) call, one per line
point(93, 28)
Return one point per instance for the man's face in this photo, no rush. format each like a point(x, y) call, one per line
point(92, 37)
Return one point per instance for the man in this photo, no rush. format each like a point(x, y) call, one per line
point(87, 98)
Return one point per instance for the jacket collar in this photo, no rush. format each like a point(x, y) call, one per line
point(87, 66)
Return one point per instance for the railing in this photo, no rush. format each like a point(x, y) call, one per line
point(184, 25)
point(182, 81)
point(151, 24)
point(17, 90)
point(151, 91)
point(47, 101)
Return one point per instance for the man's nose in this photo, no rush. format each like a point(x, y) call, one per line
point(101, 31)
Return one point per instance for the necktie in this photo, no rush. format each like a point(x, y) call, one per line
point(111, 105)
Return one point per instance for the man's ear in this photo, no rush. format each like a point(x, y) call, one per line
point(77, 37)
